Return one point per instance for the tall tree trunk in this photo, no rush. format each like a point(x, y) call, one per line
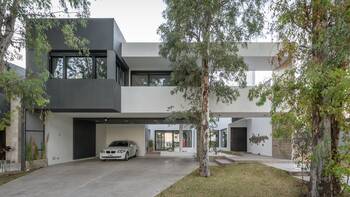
point(319, 181)
point(199, 144)
point(204, 153)
point(7, 25)
point(335, 131)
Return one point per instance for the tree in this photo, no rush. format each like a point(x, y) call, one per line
point(201, 39)
point(312, 94)
point(21, 26)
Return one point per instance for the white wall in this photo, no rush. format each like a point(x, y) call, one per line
point(137, 99)
point(134, 132)
point(59, 131)
point(261, 126)
point(100, 137)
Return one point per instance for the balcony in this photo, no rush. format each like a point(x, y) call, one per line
point(157, 100)
point(84, 95)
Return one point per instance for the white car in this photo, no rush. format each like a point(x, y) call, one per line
point(121, 149)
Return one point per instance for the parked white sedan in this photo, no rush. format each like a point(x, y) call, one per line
point(121, 149)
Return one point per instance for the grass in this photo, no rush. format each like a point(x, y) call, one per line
point(238, 180)
point(231, 152)
point(5, 178)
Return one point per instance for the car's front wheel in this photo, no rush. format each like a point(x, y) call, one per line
point(126, 156)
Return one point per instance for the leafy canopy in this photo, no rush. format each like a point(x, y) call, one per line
point(22, 26)
point(209, 30)
point(314, 82)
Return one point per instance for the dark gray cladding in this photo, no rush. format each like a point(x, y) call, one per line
point(84, 95)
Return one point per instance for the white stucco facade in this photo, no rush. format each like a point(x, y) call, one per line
point(59, 131)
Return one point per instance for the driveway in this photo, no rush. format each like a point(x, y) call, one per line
point(136, 177)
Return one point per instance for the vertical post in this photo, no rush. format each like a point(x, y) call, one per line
point(23, 138)
point(180, 137)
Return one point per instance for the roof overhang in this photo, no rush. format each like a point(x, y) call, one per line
point(145, 56)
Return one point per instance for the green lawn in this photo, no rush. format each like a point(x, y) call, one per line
point(238, 180)
point(9, 177)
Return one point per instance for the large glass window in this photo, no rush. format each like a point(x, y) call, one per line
point(139, 79)
point(159, 79)
point(223, 138)
point(57, 67)
point(150, 78)
point(187, 138)
point(72, 65)
point(80, 68)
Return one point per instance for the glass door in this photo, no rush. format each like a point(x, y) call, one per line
point(164, 140)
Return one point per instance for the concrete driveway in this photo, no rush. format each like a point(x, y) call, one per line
point(136, 177)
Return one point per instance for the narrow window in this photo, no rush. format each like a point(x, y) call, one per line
point(223, 138)
point(187, 139)
point(57, 68)
point(101, 67)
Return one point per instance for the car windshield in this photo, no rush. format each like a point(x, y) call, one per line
point(119, 143)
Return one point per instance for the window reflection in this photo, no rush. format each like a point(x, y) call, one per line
point(187, 138)
point(57, 68)
point(79, 68)
point(101, 67)
point(151, 78)
point(223, 138)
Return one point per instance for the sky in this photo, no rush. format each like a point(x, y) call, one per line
point(137, 19)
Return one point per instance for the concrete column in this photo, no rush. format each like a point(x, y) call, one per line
point(13, 133)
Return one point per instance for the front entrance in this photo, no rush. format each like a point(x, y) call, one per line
point(166, 140)
point(84, 139)
point(239, 139)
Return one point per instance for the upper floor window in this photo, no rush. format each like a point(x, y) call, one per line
point(150, 78)
point(72, 65)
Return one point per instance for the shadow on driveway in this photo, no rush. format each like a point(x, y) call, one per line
point(136, 177)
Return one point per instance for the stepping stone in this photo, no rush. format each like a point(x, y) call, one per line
point(223, 162)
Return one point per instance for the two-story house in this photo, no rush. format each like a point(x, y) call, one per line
point(121, 90)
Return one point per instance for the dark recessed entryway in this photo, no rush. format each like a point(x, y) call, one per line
point(84, 139)
point(239, 139)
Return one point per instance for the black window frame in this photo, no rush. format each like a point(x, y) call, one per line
point(148, 73)
point(68, 54)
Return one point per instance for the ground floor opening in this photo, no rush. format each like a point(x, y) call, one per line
point(67, 137)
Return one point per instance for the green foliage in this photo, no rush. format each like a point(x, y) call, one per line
point(258, 139)
point(29, 151)
point(212, 30)
point(150, 145)
point(311, 86)
point(24, 24)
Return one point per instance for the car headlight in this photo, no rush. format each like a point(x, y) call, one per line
point(102, 151)
point(121, 151)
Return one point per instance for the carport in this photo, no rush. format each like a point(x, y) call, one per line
point(71, 138)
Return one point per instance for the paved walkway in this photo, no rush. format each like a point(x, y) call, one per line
point(136, 177)
point(283, 164)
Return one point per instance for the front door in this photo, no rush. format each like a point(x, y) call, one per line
point(239, 139)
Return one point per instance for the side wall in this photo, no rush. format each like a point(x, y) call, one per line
point(100, 137)
point(134, 132)
point(59, 131)
point(261, 126)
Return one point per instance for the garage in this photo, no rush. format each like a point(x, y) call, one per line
point(72, 138)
